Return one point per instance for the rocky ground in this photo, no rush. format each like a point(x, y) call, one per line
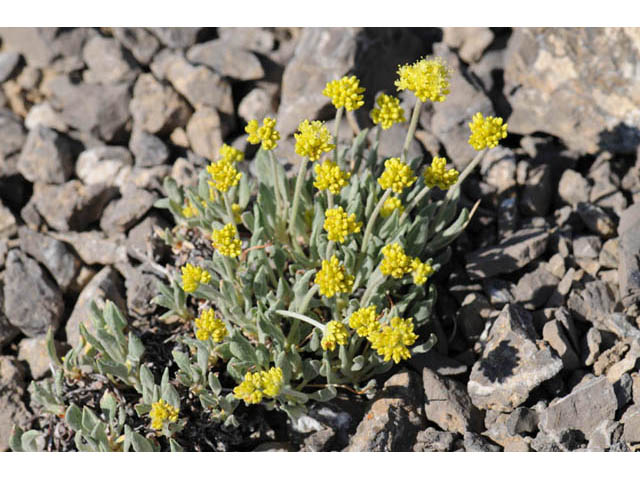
point(538, 312)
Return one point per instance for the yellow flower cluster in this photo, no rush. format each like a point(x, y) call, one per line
point(420, 271)
point(266, 134)
point(257, 385)
point(335, 333)
point(208, 326)
point(236, 209)
point(332, 278)
point(437, 175)
point(313, 140)
point(339, 224)
point(224, 175)
point(189, 210)
point(226, 241)
point(345, 92)
point(161, 411)
point(427, 78)
point(230, 153)
point(389, 205)
point(395, 262)
point(486, 132)
point(193, 276)
point(397, 175)
point(364, 321)
point(330, 177)
point(388, 113)
point(392, 340)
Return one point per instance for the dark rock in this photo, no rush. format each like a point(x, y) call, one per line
point(499, 292)
point(143, 244)
point(432, 440)
point(142, 44)
point(226, 59)
point(573, 188)
point(12, 409)
point(596, 220)
point(512, 364)
point(176, 37)
point(148, 149)
point(8, 64)
point(553, 333)
point(123, 213)
point(95, 247)
point(32, 301)
point(537, 192)
point(107, 62)
point(534, 288)
point(473, 315)
point(46, 157)
point(629, 266)
point(623, 390)
point(53, 254)
point(477, 443)
point(448, 405)
point(509, 255)
point(103, 165)
point(507, 217)
point(205, 133)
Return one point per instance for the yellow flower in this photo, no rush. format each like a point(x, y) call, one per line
point(330, 177)
point(208, 326)
point(390, 112)
point(333, 279)
point(389, 205)
point(335, 333)
point(339, 224)
point(223, 175)
point(257, 385)
point(427, 78)
point(421, 271)
point(436, 174)
point(397, 175)
point(231, 153)
point(313, 140)
point(345, 92)
point(486, 132)
point(395, 262)
point(392, 340)
point(226, 241)
point(160, 412)
point(364, 321)
point(189, 210)
point(192, 276)
point(236, 209)
point(267, 133)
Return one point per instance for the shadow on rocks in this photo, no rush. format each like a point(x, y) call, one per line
point(500, 363)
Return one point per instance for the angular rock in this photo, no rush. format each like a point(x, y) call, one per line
point(204, 131)
point(142, 44)
point(573, 188)
point(7, 331)
point(522, 420)
point(631, 422)
point(12, 409)
point(143, 244)
point(8, 64)
point(141, 289)
point(123, 213)
point(616, 371)
point(102, 165)
point(32, 301)
point(609, 254)
point(537, 191)
point(107, 62)
point(512, 364)
point(470, 41)
point(250, 38)
point(629, 248)
point(53, 254)
point(498, 169)
point(12, 135)
point(587, 246)
point(474, 442)
point(106, 285)
point(553, 334)
point(596, 220)
point(509, 255)
point(534, 288)
point(148, 149)
point(32, 43)
point(95, 247)
point(473, 315)
point(46, 157)
point(226, 59)
point(7, 222)
point(258, 103)
point(432, 440)
point(176, 37)
point(34, 352)
point(43, 114)
point(448, 405)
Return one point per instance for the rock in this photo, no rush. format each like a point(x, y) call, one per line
point(43, 114)
point(12, 136)
point(432, 440)
point(534, 288)
point(157, 108)
point(573, 188)
point(95, 247)
point(596, 220)
point(53, 254)
point(226, 59)
point(584, 409)
point(176, 37)
point(143, 244)
point(509, 255)
point(141, 289)
point(587, 246)
point(553, 334)
point(616, 371)
point(7, 222)
point(507, 217)
point(623, 389)
point(149, 178)
point(142, 44)
point(107, 62)
point(204, 131)
point(46, 157)
point(473, 315)
point(71, 206)
point(32, 301)
point(318, 441)
point(470, 41)
point(148, 149)
point(499, 292)
point(12, 409)
point(591, 347)
point(537, 192)
point(498, 169)
point(257, 104)
point(250, 38)
point(512, 364)
point(440, 364)
point(629, 266)
point(29, 78)
point(395, 417)
point(123, 213)
point(7, 331)
point(448, 405)
point(631, 422)
point(32, 43)
point(8, 64)
point(102, 110)
point(556, 266)
point(557, 80)
point(606, 434)
point(34, 352)
point(477, 443)
point(522, 420)
point(102, 165)
point(106, 285)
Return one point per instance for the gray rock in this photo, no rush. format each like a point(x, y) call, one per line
point(596, 220)
point(624, 390)
point(143, 244)
point(205, 134)
point(604, 436)
point(509, 255)
point(53, 254)
point(226, 59)
point(508, 217)
point(473, 315)
point(141, 288)
point(394, 418)
point(522, 420)
point(587, 246)
point(629, 266)
point(616, 371)
point(534, 288)
point(12, 409)
point(29, 78)
point(258, 104)
point(12, 135)
point(584, 409)
point(498, 168)
point(71, 206)
point(7, 222)
point(176, 37)
point(477, 443)
point(441, 364)
point(537, 191)
point(631, 422)
point(32, 43)
point(95, 247)
point(123, 213)
point(470, 41)
point(250, 38)
point(43, 114)
point(102, 165)
point(148, 149)
point(432, 440)
point(142, 44)
point(573, 188)
point(448, 405)
point(8, 64)
point(318, 441)
point(107, 62)
point(32, 301)
point(591, 346)
point(46, 157)
point(106, 285)
point(553, 333)
point(7, 331)
point(157, 108)
point(499, 292)
point(513, 363)
point(34, 352)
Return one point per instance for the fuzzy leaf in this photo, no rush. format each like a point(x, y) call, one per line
point(242, 349)
point(214, 383)
point(73, 417)
point(324, 394)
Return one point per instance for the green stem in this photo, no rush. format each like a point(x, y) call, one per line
point(329, 199)
point(372, 220)
point(375, 281)
point(227, 205)
point(296, 199)
point(412, 129)
point(307, 298)
point(423, 193)
point(465, 173)
point(336, 131)
point(276, 190)
point(329, 251)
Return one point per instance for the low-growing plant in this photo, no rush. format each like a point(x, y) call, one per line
point(313, 284)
